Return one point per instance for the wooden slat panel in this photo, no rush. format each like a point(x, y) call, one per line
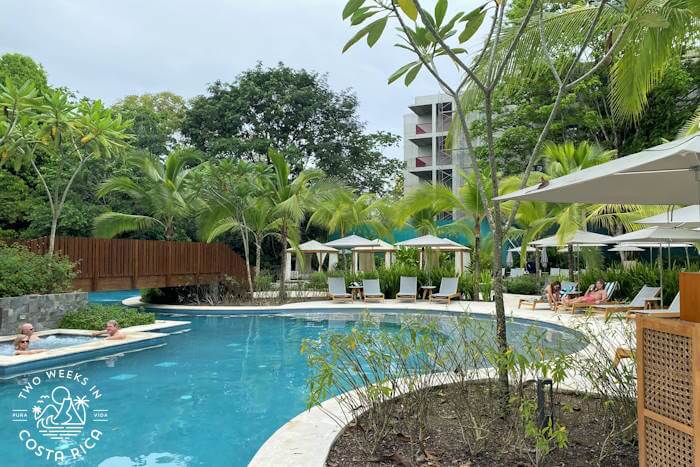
point(110, 264)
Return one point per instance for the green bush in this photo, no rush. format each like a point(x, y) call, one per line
point(96, 317)
point(525, 285)
point(317, 281)
point(23, 272)
point(263, 282)
point(162, 296)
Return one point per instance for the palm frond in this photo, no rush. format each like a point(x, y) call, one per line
point(111, 224)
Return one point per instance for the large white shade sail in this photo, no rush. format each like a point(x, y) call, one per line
point(659, 235)
point(581, 237)
point(687, 217)
point(664, 174)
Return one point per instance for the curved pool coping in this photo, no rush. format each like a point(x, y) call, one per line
point(306, 439)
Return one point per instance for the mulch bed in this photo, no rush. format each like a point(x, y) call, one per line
point(581, 415)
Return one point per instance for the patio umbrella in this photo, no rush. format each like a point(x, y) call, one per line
point(517, 249)
point(687, 217)
point(543, 258)
point(669, 174)
point(348, 243)
point(509, 259)
point(661, 237)
point(579, 238)
point(625, 248)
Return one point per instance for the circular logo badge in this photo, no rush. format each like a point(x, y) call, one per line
point(59, 415)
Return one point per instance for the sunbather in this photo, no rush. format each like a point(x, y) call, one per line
point(552, 293)
point(594, 295)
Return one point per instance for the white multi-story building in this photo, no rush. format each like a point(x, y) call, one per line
point(427, 158)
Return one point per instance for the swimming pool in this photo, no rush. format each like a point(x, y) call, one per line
point(53, 341)
point(209, 397)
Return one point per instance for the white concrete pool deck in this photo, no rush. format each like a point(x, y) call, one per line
point(133, 334)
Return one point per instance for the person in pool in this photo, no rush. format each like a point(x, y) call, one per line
point(111, 331)
point(22, 346)
point(27, 329)
point(594, 295)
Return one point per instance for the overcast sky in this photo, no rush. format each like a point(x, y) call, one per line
point(110, 49)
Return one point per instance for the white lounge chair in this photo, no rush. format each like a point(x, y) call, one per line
point(448, 290)
point(673, 310)
point(408, 288)
point(337, 290)
point(640, 301)
point(371, 290)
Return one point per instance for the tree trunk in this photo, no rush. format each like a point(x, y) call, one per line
point(258, 253)
point(570, 261)
point(476, 261)
point(538, 272)
point(52, 235)
point(501, 338)
point(283, 268)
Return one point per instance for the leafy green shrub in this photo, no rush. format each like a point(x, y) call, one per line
point(23, 272)
point(466, 286)
point(486, 285)
point(263, 282)
point(317, 281)
point(96, 317)
point(162, 296)
point(525, 285)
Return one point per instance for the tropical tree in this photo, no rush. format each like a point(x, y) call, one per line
point(233, 197)
point(164, 194)
point(69, 135)
point(291, 200)
point(567, 158)
point(692, 126)
point(337, 209)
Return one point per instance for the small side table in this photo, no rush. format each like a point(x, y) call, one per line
point(355, 291)
point(427, 291)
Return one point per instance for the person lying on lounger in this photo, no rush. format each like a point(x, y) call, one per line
point(594, 295)
point(552, 293)
point(111, 331)
point(22, 346)
point(28, 330)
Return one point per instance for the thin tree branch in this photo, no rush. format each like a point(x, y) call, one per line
point(545, 47)
point(516, 39)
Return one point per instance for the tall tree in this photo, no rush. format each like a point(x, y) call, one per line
point(339, 210)
point(157, 119)
point(291, 200)
point(20, 69)
point(164, 193)
point(296, 112)
point(70, 135)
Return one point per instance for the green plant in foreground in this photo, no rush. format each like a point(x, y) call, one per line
point(96, 317)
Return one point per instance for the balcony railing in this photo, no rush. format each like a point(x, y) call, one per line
point(423, 128)
point(444, 158)
point(444, 122)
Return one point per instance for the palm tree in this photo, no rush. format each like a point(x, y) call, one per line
point(337, 209)
point(692, 126)
point(566, 158)
point(228, 196)
point(164, 194)
point(291, 200)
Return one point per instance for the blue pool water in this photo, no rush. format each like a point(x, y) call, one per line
point(210, 397)
point(112, 297)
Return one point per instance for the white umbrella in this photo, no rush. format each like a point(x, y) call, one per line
point(664, 174)
point(518, 249)
point(687, 217)
point(625, 248)
point(661, 236)
point(580, 237)
point(543, 258)
point(509, 259)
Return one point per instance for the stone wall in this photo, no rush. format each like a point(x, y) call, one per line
point(43, 311)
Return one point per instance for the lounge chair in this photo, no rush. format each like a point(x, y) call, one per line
point(673, 311)
point(371, 290)
point(408, 289)
point(337, 290)
point(610, 288)
point(448, 290)
point(641, 301)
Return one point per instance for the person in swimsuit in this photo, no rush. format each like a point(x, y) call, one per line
point(111, 331)
point(28, 330)
point(22, 346)
point(594, 295)
point(552, 293)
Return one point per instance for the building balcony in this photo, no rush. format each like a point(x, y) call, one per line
point(421, 162)
point(424, 128)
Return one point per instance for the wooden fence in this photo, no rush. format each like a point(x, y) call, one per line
point(110, 264)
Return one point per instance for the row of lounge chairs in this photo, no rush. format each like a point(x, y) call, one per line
point(408, 290)
point(646, 302)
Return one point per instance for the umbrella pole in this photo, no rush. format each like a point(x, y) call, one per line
point(661, 272)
